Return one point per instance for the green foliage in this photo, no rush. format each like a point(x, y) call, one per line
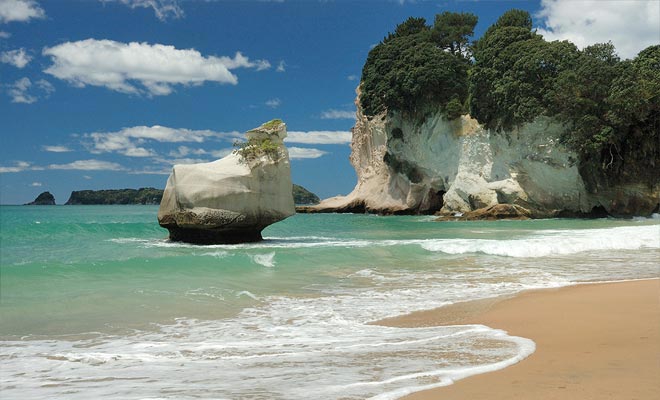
point(116, 196)
point(411, 26)
point(272, 124)
point(454, 109)
point(410, 69)
point(304, 196)
point(255, 148)
point(451, 31)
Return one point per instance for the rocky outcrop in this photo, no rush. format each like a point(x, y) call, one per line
point(426, 164)
point(44, 199)
point(233, 199)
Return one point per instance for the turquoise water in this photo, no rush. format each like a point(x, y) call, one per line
point(95, 301)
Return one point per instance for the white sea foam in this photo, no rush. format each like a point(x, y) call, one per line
point(267, 260)
point(555, 242)
point(535, 244)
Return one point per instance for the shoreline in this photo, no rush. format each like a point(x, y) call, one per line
point(593, 341)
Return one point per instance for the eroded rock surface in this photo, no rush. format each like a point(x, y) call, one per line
point(233, 199)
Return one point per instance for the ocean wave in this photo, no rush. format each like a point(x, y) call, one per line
point(555, 242)
point(535, 244)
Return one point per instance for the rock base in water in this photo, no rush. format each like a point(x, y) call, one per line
point(210, 236)
point(498, 211)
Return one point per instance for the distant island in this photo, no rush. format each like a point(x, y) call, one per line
point(147, 196)
point(44, 199)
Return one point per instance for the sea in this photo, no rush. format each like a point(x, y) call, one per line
point(96, 302)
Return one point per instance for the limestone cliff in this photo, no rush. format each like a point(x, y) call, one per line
point(410, 164)
point(233, 199)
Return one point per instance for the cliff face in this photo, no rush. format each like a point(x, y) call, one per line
point(410, 165)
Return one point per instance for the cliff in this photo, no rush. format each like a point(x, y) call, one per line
point(44, 199)
point(452, 125)
point(411, 165)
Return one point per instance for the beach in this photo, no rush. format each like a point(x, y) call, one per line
point(593, 341)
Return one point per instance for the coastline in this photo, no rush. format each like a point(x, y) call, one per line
point(593, 341)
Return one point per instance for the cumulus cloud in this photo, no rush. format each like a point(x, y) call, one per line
point(20, 10)
point(298, 153)
point(56, 149)
point(164, 9)
point(319, 137)
point(18, 58)
point(36, 184)
point(631, 25)
point(273, 103)
point(156, 68)
point(26, 92)
point(89, 165)
point(130, 141)
point(281, 67)
point(338, 114)
point(5, 35)
point(352, 77)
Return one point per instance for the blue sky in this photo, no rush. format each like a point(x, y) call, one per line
point(98, 94)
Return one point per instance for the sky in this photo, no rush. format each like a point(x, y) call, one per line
point(109, 94)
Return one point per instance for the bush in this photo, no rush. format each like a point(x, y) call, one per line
point(254, 149)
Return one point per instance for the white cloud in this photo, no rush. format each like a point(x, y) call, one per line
point(164, 9)
point(129, 141)
point(18, 167)
point(297, 153)
point(121, 66)
point(240, 61)
point(56, 149)
point(281, 67)
point(352, 77)
point(19, 91)
point(5, 35)
point(18, 58)
point(273, 103)
point(319, 137)
point(221, 153)
point(20, 10)
point(87, 177)
point(89, 165)
point(22, 91)
point(338, 114)
point(631, 25)
point(36, 184)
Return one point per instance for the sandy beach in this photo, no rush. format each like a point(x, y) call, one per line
point(595, 341)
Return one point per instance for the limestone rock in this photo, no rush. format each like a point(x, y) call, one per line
point(425, 164)
point(233, 199)
point(495, 212)
point(44, 199)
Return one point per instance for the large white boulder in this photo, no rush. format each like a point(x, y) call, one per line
point(233, 199)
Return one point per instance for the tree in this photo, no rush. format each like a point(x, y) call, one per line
point(451, 31)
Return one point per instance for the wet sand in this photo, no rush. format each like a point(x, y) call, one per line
point(596, 341)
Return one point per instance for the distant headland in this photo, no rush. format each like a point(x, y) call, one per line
point(144, 196)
